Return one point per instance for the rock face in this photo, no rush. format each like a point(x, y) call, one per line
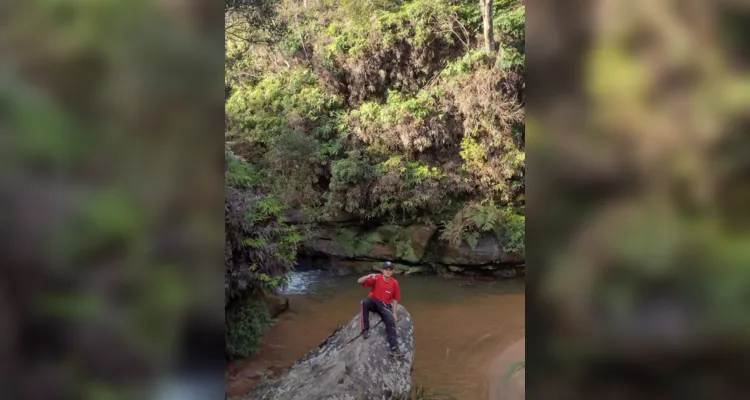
point(386, 242)
point(323, 243)
point(488, 250)
point(413, 248)
point(347, 367)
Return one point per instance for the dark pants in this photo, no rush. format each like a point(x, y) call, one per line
point(385, 311)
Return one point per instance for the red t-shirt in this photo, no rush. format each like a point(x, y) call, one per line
point(382, 290)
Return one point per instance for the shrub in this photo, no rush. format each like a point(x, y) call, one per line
point(287, 124)
point(403, 124)
point(392, 188)
point(259, 248)
point(246, 324)
point(477, 219)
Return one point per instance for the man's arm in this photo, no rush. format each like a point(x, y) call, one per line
point(396, 298)
point(395, 310)
point(366, 277)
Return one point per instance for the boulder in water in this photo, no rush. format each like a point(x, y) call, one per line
point(276, 305)
point(348, 367)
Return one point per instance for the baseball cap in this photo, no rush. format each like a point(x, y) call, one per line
point(387, 264)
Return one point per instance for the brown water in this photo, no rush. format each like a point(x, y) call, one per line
point(459, 329)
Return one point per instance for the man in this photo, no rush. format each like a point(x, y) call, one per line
point(383, 299)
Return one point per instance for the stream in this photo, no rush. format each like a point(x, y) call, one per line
point(460, 327)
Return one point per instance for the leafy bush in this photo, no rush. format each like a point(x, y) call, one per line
point(403, 124)
point(387, 109)
point(465, 64)
point(510, 24)
point(493, 146)
point(246, 324)
point(477, 219)
point(259, 252)
point(259, 249)
point(399, 47)
point(288, 125)
point(391, 188)
point(509, 59)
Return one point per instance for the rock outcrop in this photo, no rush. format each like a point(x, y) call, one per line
point(347, 367)
point(414, 248)
point(489, 249)
point(385, 242)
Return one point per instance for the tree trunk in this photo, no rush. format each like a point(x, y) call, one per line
point(486, 7)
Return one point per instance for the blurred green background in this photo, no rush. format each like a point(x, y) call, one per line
point(638, 200)
point(111, 158)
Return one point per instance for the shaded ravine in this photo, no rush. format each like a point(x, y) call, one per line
point(459, 329)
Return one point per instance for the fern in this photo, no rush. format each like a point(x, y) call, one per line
point(475, 219)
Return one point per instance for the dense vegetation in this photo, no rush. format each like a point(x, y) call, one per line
point(386, 109)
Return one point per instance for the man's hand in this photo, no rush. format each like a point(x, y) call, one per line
point(366, 277)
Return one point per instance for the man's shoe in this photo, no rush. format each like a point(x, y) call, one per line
point(365, 333)
point(396, 354)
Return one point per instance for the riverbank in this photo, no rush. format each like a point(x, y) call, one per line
point(459, 327)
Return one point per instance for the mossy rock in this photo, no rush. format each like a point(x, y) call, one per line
point(418, 270)
point(393, 242)
point(489, 249)
point(418, 238)
point(386, 242)
point(454, 268)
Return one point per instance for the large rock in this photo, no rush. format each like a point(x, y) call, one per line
point(419, 238)
point(276, 304)
point(489, 249)
point(385, 242)
point(324, 241)
point(347, 367)
point(507, 373)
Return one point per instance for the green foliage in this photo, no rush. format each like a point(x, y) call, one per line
point(411, 173)
point(264, 111)
point(386, 109)
point(466, 63)
point(351, 171)
point(510, 24)
point(510, 59)
point(260, 248)
point(477, 219)
point(239, 173)
point(404, 124)
point(288, 124)
point(384, 23)
point(398, 187)
point(247, 321)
